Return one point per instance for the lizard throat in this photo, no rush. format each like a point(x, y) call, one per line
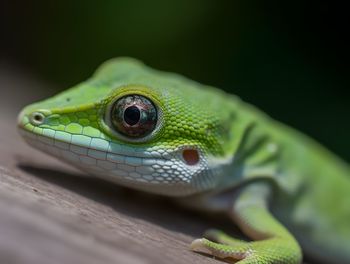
point(150, 171)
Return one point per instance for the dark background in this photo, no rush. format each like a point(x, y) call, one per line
point(289, 58)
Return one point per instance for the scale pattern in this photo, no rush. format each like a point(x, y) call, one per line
point(76, 127)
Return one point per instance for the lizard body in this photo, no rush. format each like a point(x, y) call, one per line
point(165, 134)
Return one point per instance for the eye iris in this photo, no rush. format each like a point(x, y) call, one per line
point(132, 115)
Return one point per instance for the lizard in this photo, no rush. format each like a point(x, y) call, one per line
point(165, 134)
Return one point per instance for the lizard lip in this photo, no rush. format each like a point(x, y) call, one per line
point(152, 173)
point(41, 141)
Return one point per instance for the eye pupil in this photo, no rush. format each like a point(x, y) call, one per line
point(132, 115)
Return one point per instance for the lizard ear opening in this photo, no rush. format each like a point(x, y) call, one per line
point(191, 156)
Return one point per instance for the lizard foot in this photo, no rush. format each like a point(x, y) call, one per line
point(219, 236)
point(269, 251)
point(219, 250)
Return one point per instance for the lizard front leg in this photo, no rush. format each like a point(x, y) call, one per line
point(272, 242)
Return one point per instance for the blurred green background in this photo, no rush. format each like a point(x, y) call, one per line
point(289, 58)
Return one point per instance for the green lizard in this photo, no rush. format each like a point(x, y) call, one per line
point(162, 133)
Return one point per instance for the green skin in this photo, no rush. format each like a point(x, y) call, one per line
point(282, 189)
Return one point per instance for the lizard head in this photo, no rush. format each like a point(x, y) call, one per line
point(145, 129)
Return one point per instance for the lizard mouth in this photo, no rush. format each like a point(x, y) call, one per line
point(168, 173)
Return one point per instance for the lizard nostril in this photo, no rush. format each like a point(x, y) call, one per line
point(191, 156)
point(36, 118)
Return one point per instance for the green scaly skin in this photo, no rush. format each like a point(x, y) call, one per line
point(286, 190)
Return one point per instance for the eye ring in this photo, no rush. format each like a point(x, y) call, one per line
point(133, 117)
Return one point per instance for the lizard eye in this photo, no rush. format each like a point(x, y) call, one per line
point(134, 116)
